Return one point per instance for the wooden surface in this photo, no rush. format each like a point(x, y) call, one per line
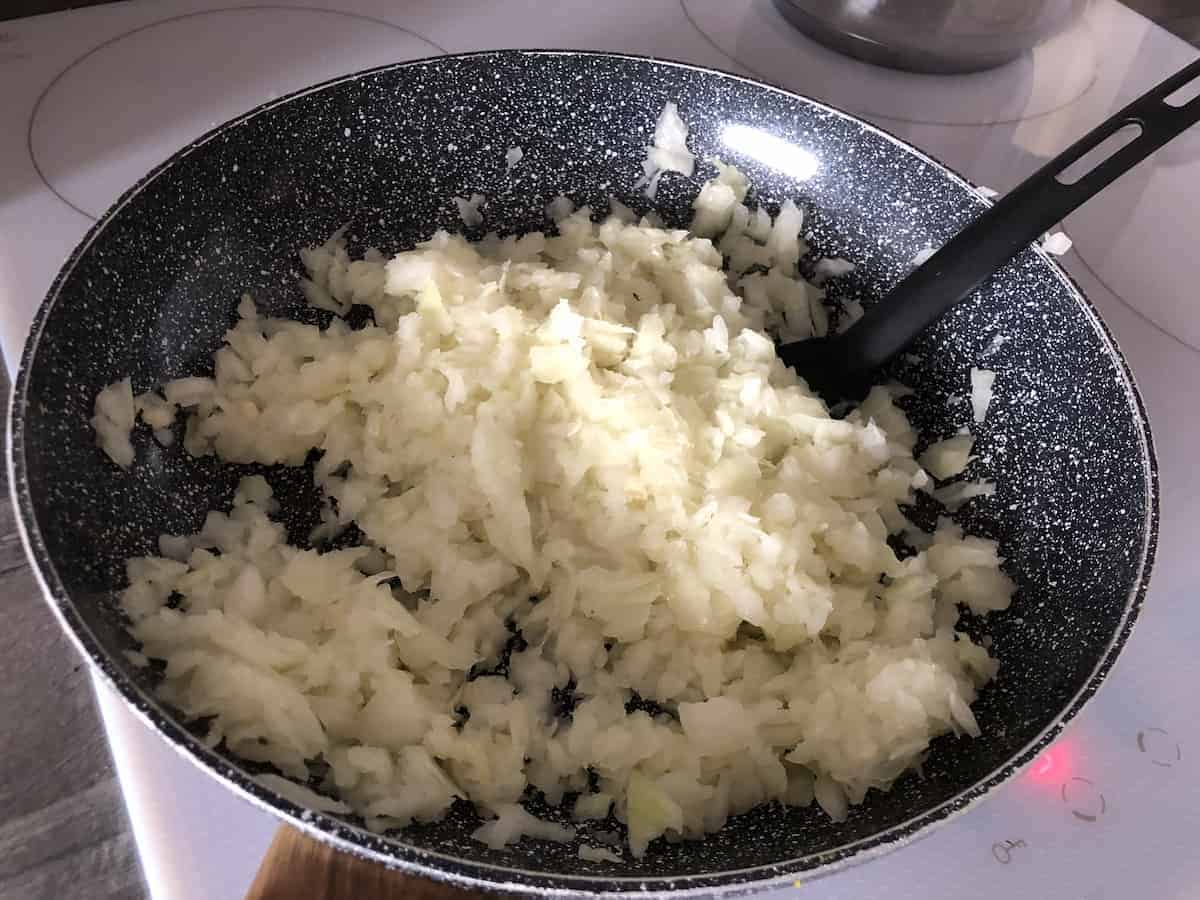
point(298, 866)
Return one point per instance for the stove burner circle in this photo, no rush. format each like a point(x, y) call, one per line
point(96, 129)
point(1133, 238)
point(1054, 75)
point(1084, 800)
point(1162, 749)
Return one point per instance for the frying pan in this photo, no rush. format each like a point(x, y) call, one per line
point(155, 284)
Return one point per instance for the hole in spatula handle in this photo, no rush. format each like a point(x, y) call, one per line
point(1122, 137)
point(1184, 95)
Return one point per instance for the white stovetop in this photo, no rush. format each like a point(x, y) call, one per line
point(1111, 809)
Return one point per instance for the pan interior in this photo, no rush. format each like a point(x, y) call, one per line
point(155, 286)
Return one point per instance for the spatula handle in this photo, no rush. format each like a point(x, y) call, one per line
point(1016, 220)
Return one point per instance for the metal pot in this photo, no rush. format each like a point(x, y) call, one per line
point(152, 288)
point(938, 36)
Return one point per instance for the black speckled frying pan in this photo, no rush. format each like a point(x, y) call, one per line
point(152, 288)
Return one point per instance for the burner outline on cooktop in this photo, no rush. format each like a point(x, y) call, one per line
point(1083, 251)
point(1129, 306)
point(45, 92)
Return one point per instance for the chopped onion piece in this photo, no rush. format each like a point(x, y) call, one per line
point(300, 795)
point(948, 458)
point(981, 392)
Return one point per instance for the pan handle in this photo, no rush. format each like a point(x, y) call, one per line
point(296, 866)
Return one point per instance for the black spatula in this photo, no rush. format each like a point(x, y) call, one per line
point(841, 366)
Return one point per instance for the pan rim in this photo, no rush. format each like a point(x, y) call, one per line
point(395, 853)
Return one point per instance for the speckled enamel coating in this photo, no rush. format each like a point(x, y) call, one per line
point(153, 286)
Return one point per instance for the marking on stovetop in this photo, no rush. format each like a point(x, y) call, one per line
point(1082, 815)
point(1002, 851)
point(37, 105)
point(1157, 758)
point(873, 115)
